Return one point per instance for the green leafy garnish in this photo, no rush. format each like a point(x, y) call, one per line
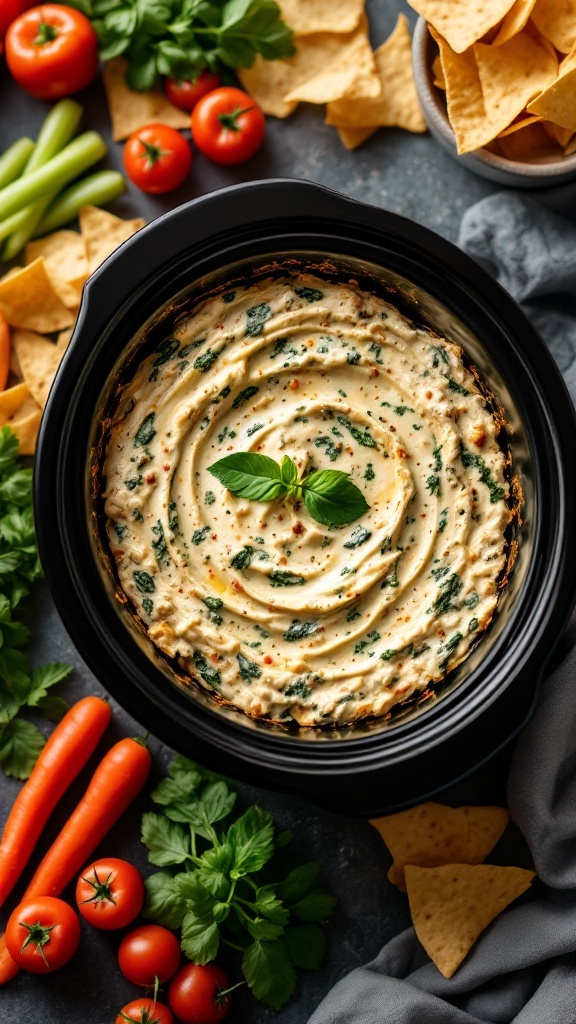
point(221, 885)
point(329, 495)
point(20, 686)
point(180, 38)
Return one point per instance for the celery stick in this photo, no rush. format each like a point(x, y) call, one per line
point(14, 160)
point(58, 128)
point(78, 155)
point(96, 190)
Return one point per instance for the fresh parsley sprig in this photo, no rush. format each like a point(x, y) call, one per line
point(219, 895)
point(20, 687)
point(180, 38)
point(329, 495)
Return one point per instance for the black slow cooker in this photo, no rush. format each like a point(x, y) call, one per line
point(380, 765)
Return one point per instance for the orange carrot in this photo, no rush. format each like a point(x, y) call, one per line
point(73, 741)
point(116, 782)
point(4, 351)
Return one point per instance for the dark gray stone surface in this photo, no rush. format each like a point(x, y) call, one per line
point(412, 176)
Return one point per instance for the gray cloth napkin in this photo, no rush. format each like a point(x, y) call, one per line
point(523, 968)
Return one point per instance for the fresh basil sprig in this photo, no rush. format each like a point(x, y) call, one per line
point(225, 882)
point(180, 38)
point(329, 495)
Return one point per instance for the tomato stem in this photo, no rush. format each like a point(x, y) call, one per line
point(102, 890)
point(46, 34)
point(152, 155)
point(222, 994)
point(38, 936)
point(230, 119)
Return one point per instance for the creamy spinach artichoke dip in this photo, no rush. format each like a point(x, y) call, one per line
point(280, 616)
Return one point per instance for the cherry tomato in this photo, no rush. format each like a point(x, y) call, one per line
point(42, 934)
point(147, 953)
point(110, 893)
point(9, 11)
point(52, 51)
point(145, 1011)
point(194, 994)
point(228, 126)
point(186, 94)
point(157, 158)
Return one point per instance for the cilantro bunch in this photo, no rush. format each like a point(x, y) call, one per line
point(180, 38)
point(20, 740)
point(220, 894)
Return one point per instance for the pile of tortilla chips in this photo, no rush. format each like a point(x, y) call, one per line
point(40, 302)
point(334, 64)
point(453, 897)
point(508, 68)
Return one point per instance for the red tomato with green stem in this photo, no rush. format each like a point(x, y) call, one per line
point(157, 158)
point(42, 934)
point(147, 953)
point(228, 126)
point(145, 1011)
point(185, 94)
point(200, 994)
point(52, 51)
point(110, 893)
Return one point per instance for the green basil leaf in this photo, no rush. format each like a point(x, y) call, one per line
point(306, 944)
point(288, 470)
point(299, 882)
point(142, 73)
point(20, 745)
point(269, 973)
point(167, 843)
point(163, 903)
point(249, 475)
point(200, 938)
point(317, 906)
point(252, 839)
point(332, 499)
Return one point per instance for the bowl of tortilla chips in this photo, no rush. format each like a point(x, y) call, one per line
point(497, 88)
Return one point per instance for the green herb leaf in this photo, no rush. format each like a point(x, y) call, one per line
point(299, 882)
point(317, 906)
point(53, 708)
point(306, 945)
point(200, 938)
point(163, 900)
point(43, 678)
point(167, 842)
point(332, 499)
point(269, 973)
point(249, 475)
point(20, 745)
point(252, 840)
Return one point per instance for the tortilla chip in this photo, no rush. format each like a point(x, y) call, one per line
point(351, 138)
point(432, 834)
point(511, 75)
point(514, 21)
point(38, 359)
point(560, 135)
point(464, 99)
point(463, 23)
point(531, 143)
point(65, 258)
point(307, 16)
point(398, 104)
point(451, 906)
point(131, 110)
point(438, 72)
point(556, 19)
point(520, 123)
point(64, 338)
point(571, 147)
point(558, 102)
point(28, 300)
point(26, 424)
point(351, 74)
point(269, 81)
point(10, 401)
point(102, 233)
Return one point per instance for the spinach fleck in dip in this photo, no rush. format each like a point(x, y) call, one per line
point(285, 618)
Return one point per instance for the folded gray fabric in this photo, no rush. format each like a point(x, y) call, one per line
point(523, 968)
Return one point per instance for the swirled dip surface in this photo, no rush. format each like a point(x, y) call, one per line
point(283, 617)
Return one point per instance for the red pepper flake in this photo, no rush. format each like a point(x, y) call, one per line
point(268, 660)
point(237, 586)
point(441, 632)
point(283, 561)
point(151, 478)
point(374, 372)
point(166, 468)
point(119, 553)
point(298, 528)
point(213, 536)
point(294, 384)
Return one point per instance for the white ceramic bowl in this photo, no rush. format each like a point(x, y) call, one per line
point(542, 173)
